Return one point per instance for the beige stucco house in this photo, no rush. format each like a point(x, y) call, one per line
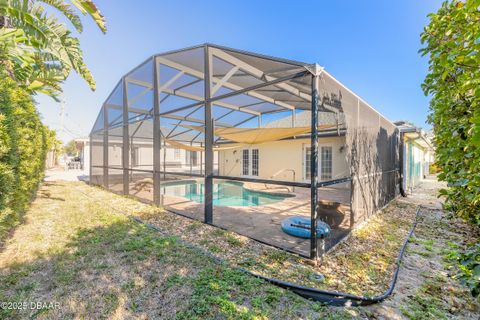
point(289, 159)
point(285, 160)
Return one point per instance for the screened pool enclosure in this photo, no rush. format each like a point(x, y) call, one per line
point(243, 141)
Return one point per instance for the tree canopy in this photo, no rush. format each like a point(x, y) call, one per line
point(70, 148)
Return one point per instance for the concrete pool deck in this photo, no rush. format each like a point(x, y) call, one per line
point(263, 223)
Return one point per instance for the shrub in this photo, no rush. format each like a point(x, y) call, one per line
point(24, 142)
point(469, 265)
point(433, 169)
point(451, 42)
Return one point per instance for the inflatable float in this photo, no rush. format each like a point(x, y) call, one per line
point(300, 227)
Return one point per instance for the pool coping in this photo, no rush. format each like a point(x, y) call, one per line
point(246, 185)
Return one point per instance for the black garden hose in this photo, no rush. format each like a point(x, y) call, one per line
point(326, 297)
point(340, 298)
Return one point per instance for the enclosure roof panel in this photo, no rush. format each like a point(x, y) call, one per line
point(243, 86)
point(239, 52)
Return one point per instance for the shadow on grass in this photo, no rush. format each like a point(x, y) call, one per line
point(102, 271)
point(124, 269)
point(12, 217)
point(45, 194)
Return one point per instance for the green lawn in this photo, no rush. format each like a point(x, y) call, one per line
point(78, 249)
point(97, 263)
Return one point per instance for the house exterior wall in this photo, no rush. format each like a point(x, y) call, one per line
point(278, 159)
point(115, 154)
point(85, 157)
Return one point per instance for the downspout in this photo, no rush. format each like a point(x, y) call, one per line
point(402, 173)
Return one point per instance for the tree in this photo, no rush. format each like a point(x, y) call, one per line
point(452, 44)
point(52, 141)
point(70, 148)
point(37, 50)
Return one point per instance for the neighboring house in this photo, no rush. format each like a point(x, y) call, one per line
point(418, 154)
point(141, 156)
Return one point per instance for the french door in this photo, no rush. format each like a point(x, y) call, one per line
point(250, 158)
point(325, 162)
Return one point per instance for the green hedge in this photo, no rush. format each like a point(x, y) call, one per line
point(451, 42)
point(24, 142)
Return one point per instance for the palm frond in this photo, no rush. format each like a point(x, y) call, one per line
point(67, 11)
point(61, 44)
point(23, 17)
point(88, 7)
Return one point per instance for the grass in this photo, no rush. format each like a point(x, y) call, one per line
point(363, 265)
point(86, 254)
point(99, 264)
point(428, 302)
point(229, 237)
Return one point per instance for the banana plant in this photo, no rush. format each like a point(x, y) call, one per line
point(37, 50)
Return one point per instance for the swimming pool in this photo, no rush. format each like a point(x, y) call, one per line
point(225, 193)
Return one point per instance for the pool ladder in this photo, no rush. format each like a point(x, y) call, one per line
point(281, 171)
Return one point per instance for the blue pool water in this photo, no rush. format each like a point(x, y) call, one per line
point(225, 193)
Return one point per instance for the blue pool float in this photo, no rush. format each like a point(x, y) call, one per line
point(300, 227)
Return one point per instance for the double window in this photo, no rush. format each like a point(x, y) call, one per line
point(325, 163)
point(250, 162)
point(136, 157)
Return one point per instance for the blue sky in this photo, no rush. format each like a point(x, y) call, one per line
point(370, 46)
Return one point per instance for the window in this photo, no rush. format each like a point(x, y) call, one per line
point(254, 162)
point(176, 154)
point(136, 157)
point(326, 163)
point(246, 162)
